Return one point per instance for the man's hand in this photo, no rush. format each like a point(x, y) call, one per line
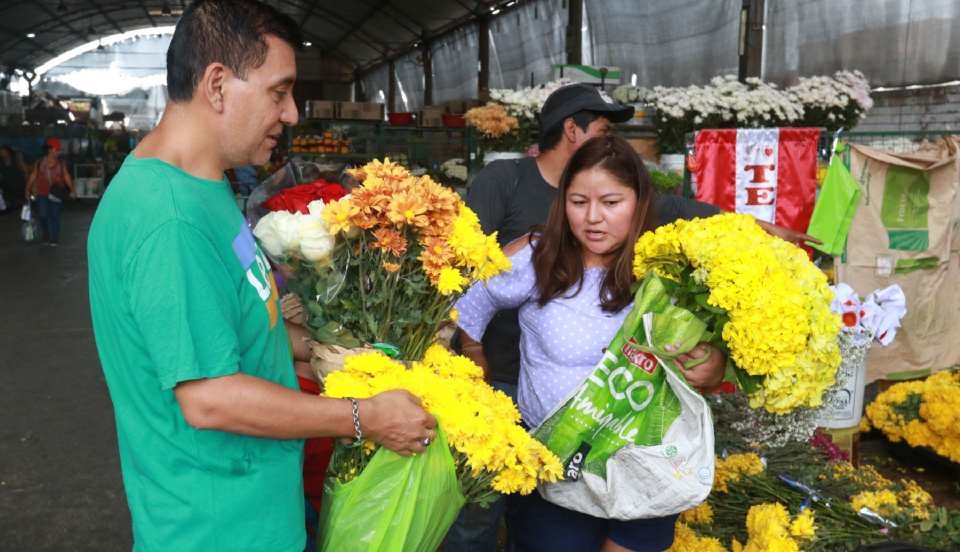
point(707, 367)
point(787, 234)
point(396, 420)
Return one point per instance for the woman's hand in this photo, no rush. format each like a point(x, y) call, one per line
point(707, 366)
point(793, 236)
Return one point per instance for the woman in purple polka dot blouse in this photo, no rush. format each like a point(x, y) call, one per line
point(571, 282)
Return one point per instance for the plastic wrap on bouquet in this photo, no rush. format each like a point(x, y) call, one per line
point(843, 403)
point(636, 441)
point(396, 504)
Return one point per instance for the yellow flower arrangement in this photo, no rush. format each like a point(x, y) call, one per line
point(922, 413)
point(686, 539)
point(406, 248)
point(492, 452)
point(883, 502)
point(767, 304)
point(733, 467)
point(769, 529)
point(701, 515)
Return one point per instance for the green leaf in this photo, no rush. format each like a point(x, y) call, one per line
point(702, 298)
point(749, 383)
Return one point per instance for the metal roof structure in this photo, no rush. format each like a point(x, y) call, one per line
point(362, 33)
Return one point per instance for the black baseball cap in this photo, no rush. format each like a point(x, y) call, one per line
point(572, 98)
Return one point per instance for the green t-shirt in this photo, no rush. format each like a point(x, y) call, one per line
point(180, 291)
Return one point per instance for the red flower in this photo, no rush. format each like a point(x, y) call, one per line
point(727, 387)
point(849, 319)
point(296, 199)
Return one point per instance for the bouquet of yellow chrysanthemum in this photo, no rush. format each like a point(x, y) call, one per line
point(401, 249)
point(923, 413)
point(765, 304)
point(481, 449)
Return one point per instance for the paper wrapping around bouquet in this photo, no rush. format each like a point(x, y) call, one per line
point(328, 358)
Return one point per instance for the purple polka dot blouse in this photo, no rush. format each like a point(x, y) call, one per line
point(560, 343)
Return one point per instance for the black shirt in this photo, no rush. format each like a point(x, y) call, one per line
point(511, 197)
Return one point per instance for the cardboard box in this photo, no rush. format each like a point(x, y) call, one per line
point(361, 110)
point(320, 109)
point(432, 116)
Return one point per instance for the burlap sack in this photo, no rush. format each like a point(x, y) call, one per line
point(905, 232)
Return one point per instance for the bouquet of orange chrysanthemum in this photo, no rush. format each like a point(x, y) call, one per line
point(480, 450)
point(403, 249)
point(498, 129)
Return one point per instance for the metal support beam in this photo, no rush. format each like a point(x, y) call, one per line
point(153, 22)
point(20, 37)
point(483, 57)
point(62, 21)
point(427, 56)
point(358, 93)
point(574, 32)
point(402, 14)
point(306, 16)
point(356, 26)
point(751, 39)
point(106, 15)
point(391, 86)
point(364, 36)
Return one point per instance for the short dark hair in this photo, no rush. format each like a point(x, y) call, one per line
point(550, 138)
point(231, 32)
point(557, 255)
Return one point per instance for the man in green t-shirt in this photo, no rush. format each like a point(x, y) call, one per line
point(186, 315)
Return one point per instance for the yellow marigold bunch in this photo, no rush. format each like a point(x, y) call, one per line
point(492, 120)
point(492, 451)
point(768, 530)
point(865, 475)
point(780, 330)
point(916, 498)
point(733, 467)
point(923, 413)
point(701, 515)
point(686, 539)
point(882, 502)
point(803, 526)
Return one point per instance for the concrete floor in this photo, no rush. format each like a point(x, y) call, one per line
point(60, 487)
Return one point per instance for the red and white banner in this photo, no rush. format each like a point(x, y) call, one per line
point(770, 173)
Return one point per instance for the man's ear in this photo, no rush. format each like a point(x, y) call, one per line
point(570, 129)
point(211, 86)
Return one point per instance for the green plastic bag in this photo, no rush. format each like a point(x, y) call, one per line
point(836, 205)
point(396, 504)
point(625, 401)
